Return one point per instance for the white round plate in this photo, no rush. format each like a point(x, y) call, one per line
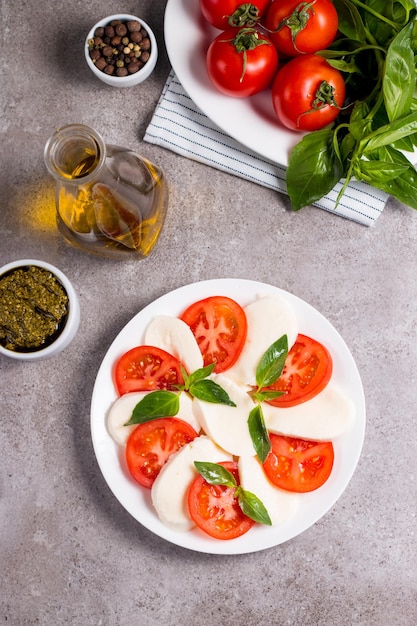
point(251, 121)
point(136, 500)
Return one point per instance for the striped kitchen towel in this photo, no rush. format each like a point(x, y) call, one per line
point(177, 124)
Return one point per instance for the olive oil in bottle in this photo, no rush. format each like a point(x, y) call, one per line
point(110, 200)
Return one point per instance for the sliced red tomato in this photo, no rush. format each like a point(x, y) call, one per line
point(146, 368)
point(307, 371)
point(298, 465)
point(214, 508)
point(219, 325)
point(151, 444)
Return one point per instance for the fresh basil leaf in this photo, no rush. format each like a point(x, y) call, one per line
point(402, 9)
point(390, 133)
point(313, 170)
point(379, 20)
point(200, 374)
point(359, 122)
point(389, 153)
point(346, 147)
point(252, 506)
point(215, 474)
point(210, 391)
point(155, 404)
point(402, 187)
point(350, 20)
point(399, 80)
point(378, 171)
point(348, 66)
point(407, 144)
point(272, 362)
point(259, 433)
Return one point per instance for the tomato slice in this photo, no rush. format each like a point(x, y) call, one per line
point(151, 444)
point(220, 327)
point(298, 465)
point(307, 371)
point(146, 368)
point(214, 508)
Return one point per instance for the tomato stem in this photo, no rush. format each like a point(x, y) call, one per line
point(297, 20)
point(324, 97)
point(247, 39)
point(245, 15)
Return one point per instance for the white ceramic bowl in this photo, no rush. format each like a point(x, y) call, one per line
point(132, 79)
point(72, 322)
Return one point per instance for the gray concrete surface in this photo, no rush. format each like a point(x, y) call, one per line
point(69, 553)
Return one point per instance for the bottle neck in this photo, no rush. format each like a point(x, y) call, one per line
point(75, 153)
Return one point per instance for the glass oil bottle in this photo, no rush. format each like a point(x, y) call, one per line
point(110, 200)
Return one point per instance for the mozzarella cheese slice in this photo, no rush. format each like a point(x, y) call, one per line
point(169, 491)
point(121, 411)
point(269, 318)
point(227, 425)
point(175, 337)
point(325, 417)
point(281, 505)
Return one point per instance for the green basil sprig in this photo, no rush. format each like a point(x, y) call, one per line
point(199, 386)
point(377, 52)
point(251, 505)
point(268, 370)
point(164, 403)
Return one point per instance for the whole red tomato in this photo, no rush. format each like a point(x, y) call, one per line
point(241, 62)
point(223, 14)
point(301, 27)
point(308, 93)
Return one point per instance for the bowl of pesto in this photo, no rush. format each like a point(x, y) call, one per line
point(39, 310)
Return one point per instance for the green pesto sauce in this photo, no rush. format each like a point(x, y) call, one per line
point(33, 309)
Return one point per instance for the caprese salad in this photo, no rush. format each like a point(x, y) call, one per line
point(228, 414)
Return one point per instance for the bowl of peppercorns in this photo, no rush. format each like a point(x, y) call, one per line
point(121, 50)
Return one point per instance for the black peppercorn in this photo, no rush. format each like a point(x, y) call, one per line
point(136, 36)
point(133, 26)
point(101, 63)
point(107, 51)
point(121, 30)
